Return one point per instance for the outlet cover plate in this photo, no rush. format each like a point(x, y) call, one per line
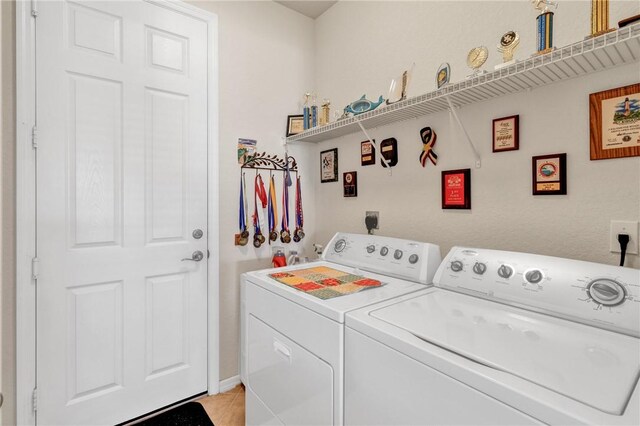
point(376, 215)
point(624, 227)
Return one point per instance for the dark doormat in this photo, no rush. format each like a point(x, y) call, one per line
point(189, 414)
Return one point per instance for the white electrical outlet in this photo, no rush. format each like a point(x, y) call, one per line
point(624, 227)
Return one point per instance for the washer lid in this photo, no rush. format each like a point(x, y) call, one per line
point(594, 366)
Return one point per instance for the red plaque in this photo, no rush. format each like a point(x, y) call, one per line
point(456, 189)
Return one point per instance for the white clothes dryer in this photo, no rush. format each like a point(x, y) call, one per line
point(292, 343)
point(502, 338)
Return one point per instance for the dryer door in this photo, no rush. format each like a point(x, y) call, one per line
point(294, 384)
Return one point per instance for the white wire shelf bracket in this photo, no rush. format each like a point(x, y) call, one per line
point(596, 54)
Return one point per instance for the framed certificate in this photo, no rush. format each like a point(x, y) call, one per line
point(295, 124)
point(456, 189)
point(506, 133)
point(549, 174)
point(329, 165)
point(614, 121)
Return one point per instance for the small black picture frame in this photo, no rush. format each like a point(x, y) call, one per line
point(456, 189)
point(295, 124)
point(549, 174)
point(329, 165)
point(350, 184)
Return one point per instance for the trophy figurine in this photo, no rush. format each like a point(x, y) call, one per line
point(324, 114)
point(398, 87)
point(600, 18)
point(508, 44)
point(544, 25)
point(476, 58)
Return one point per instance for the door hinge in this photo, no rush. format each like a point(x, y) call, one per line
point(34, 9)
point(34, 400)
point(34, 137)
point(35, 268)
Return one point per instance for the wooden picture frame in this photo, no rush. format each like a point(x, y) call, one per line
point(506, 133)
point(456, 189)
point(549, 174)
point(350, 184)
point(295, 124)
point(614, 123)
point(367, 153)
point(329, 165)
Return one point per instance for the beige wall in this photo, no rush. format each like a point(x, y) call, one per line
point(553, 119)
point(7, 211)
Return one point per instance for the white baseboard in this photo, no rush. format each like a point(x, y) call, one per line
point(230, 383)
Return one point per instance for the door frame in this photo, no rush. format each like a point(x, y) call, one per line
point(26, 250)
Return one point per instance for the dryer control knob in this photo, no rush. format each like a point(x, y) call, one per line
point(340, 245)
point(606, 292)
point(505, 271)
point(397, 255)
point(533, 276)
point(479, 268)
point(456, 266)
point(413, 259)
point(384, 251)
point(371, 248)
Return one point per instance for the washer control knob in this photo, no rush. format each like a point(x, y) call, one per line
point(413, 259)
point(505, 271)
point(384, 251)
point(479, 268)
point(371, 248)
point(397, 255)
point(340, 245)
point(533, 276)
point(606, 292)
point(456, 266)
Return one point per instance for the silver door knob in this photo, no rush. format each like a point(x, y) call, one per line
point(197, 256)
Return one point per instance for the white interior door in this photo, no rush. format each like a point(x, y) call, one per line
point(122, 185)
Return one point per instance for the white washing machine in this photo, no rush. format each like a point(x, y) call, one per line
point(292, 343)
point(502, 338)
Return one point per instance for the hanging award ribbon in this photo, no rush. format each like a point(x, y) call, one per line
point(298, 234)
point(243, 237)
point(429, 138)
point(272, 207)
point(285, 235)
point(258, 218)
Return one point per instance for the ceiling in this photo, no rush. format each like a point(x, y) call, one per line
point(310, 8)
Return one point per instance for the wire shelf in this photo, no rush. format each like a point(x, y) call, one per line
point(584, 57)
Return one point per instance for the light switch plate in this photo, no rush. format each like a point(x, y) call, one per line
point(624, 227)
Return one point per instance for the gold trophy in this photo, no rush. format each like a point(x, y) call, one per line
point(324, 114)
point(600, 18)
point(476, 58)
point(508, 44)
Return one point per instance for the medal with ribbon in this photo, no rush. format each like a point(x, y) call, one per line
point(272, 208)
point(285, 235)
point(258, 218)
point(429, 138)
point(243, 237)
point(298, 234)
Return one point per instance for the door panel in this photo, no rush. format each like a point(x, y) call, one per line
point(122, 175)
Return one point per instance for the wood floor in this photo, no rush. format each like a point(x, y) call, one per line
point(225, 409)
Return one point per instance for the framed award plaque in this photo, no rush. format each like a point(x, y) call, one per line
point(549, 174)
point(350, 184)
point(456, 189)
point(367, 153)
point(506, 133)
point(329, 165)
point(614, 117)
point(295, 124)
